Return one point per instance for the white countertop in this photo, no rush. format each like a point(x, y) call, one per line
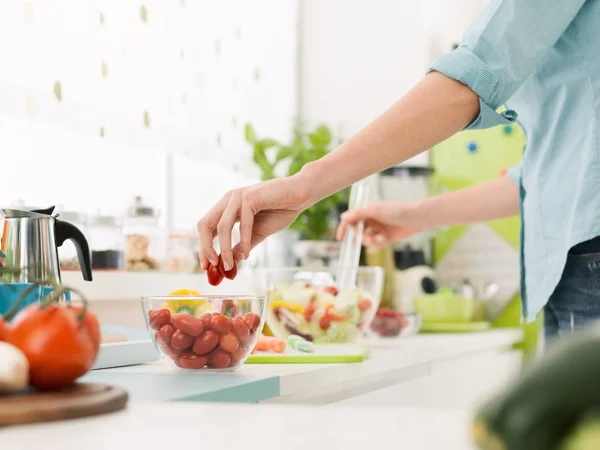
point(390, 362)
point(209, 426)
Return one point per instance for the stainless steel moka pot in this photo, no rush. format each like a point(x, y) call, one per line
point(30, 240)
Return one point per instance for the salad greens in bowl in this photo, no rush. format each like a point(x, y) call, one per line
point(307, 303)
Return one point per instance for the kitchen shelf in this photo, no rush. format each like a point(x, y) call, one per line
point(112, 286)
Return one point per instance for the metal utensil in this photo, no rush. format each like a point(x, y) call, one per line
point(351, 245)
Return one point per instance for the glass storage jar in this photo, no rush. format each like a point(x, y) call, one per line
point(146, 246)
point(180, 254)
point(106, 242)
point(67, 254)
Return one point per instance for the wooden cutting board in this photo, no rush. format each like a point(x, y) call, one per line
point(78, 400)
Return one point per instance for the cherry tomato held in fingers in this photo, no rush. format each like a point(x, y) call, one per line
point(229, 274)
point(215, 276)
point(158, 318)
point(58, 345)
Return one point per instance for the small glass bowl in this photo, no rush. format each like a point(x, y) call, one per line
point(205, 332)
point(397, 326)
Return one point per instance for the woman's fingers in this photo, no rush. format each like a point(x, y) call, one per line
point(246, 226)
point(207, 230)
point(228, 219)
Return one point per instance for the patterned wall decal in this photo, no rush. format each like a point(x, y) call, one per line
point(58, 90)
point(143, 14)
point(31, 106)
point(28, 12)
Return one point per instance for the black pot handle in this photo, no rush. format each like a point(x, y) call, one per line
point(67, 231)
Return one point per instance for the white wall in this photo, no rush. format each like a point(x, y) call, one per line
point(360, 56)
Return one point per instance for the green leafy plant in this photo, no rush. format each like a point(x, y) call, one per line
point(277, 159)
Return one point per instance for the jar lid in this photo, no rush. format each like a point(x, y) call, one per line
point(138, 209)
point(110, 221)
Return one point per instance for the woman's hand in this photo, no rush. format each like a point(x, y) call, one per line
point(385, 222)
point(261, 210)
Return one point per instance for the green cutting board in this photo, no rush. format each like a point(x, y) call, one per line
point(323, 354)
point(467, 327)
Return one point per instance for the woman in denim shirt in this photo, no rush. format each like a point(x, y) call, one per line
point(539, 58)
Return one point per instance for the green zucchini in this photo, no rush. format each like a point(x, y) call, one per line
point(544, 406)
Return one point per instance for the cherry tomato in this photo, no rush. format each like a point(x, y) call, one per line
point(252, 321)
point(229, 342)
point(205, 318)
point(193, 361)
point(206, 343)
point(90, 321)
point(364, 305)
point(181, 340)
point(177, 362)
point(220, 323)
point(240, 328)
point(324, 323)
point(188, 324)
point(239, 354)
point(214, 275)
point(231, 274)
point(331, 290)
point(58, 345)
point(334, 316)
point(163, 336)
point(158, 318)
point(170, 351)
point(309, 311)
point(219, 359)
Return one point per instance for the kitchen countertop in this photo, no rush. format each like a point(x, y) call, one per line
point(390, 363)
point(225, 426)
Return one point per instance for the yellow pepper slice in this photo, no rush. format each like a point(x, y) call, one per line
point(287, 305)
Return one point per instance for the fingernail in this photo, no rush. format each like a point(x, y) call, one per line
point(226, 266)
point(242, 256)
point(212, 261)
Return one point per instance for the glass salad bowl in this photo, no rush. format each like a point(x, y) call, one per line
point(307, 303)
point(205, 332)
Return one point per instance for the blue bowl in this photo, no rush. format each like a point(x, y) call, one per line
point(11, 292)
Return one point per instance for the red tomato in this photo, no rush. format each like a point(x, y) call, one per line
point(240, 328)
point(90, 321)
point(188, 324)
point(364, 305)
point(239, 354)
point(231, 274)
point(214, 275)
point(309, 311)
point(219, 359)
point(252, 321)
point(158, 318)
point(205, 318)
point(331, 290)
point(60, 348)
point(324, 323)
point(193, 361)
point(181, 340)
point(4, 329)
point(220, 323)
point(229, 342)
point(206, 342)
point(163, 336)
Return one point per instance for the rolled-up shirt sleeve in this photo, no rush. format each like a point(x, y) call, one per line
point(514, 173)
point(502, 47)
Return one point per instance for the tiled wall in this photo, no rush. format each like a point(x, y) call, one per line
point(93, 94)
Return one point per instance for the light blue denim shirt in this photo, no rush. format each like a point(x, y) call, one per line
point(541, 58)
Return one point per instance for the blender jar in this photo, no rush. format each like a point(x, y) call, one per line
point(145, 237)
point(107, 243)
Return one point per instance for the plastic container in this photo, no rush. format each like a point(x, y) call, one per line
point(395, 324)
point(307, 304)
point(181, 257)
point(146, 246)
point(207, 332)
point(67, 254)
point(445, 307)
point(106, 242)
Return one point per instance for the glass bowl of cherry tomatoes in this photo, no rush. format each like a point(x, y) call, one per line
point(395, 324)
point(205, 332)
